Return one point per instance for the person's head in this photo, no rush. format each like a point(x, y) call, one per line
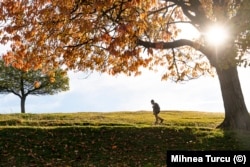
point(152, 102)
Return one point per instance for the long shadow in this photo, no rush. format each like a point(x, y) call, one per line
point(109, 146)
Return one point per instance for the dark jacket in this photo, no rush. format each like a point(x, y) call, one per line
point(156, 108)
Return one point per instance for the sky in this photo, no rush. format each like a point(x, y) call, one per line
point(104, 93)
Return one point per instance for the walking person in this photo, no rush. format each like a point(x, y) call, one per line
point(156, 111)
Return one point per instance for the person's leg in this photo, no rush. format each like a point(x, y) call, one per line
point(161, 119)
point(156, 119)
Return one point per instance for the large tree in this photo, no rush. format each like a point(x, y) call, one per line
point(23, 83)
point(120, 36)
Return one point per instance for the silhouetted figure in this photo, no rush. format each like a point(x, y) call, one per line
point(156, 111)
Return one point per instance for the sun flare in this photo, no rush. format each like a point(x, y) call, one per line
point(216, 35)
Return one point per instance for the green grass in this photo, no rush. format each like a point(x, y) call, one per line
point(110, 139)
point(172, 118)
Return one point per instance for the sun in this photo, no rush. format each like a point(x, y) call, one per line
point(216, 35)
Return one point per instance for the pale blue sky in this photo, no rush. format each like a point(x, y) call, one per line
point(104, 93)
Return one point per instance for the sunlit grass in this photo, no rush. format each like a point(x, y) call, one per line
point(110, 139)
point(140, 118)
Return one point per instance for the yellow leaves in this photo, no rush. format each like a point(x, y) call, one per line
point(51, 74)
point(86, 29)
point(99, 36)
point(37, 84)
point(176, 32)
point(143, 15)
point(8, 58)
point(165, 77)
point(183, 67)
point(18, 64)
point(17, 38)
point(106, 37)
point(169, 57)
point(166, 35)
point(52, 79)
point(38, 66)
point(29, 34)
point(64, 73)
point(16, 7)
point(125, 28)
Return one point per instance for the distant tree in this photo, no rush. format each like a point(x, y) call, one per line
point(33, 82)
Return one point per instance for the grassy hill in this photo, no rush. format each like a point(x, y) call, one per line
point(110, 139)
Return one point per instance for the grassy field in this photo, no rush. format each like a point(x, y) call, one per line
point(117, 139)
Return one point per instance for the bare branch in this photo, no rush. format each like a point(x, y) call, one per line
point(166, 45)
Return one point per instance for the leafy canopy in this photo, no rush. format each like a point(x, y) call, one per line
point(22, 83)
point(120, 36)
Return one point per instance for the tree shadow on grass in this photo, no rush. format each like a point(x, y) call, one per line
point(109, 146)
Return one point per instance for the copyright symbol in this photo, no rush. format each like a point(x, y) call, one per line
point(239, 159)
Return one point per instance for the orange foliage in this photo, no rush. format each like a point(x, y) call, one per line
point(52, 79)
point(90, 35)
point(37, 84)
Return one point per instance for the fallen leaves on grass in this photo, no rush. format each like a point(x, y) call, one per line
point(104, 146)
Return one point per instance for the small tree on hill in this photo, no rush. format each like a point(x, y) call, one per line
point(33, 82)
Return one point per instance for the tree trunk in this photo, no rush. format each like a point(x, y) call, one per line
point(23, 104)
point(236, 114)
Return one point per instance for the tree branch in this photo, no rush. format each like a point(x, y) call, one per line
point(178, 43)
point(15, 93)
point(194, 11)
point(166, 45)
point(44, 85)
point(161, 9)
